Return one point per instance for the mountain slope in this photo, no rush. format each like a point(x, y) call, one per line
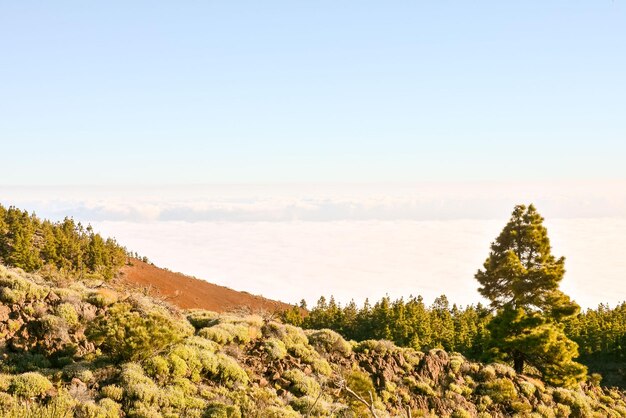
point(85, 349)
point(190, 293)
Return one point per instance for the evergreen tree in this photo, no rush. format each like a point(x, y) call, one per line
point(521, 279)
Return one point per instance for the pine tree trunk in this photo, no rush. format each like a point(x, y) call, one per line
point(518, 362)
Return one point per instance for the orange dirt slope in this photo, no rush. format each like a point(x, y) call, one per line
point(190, 293)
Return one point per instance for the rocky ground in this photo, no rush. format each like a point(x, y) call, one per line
point(87, 349)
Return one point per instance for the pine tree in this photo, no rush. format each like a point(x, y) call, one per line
point(521, 279)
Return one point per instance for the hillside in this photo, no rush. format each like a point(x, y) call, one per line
point(83, 349)
point(190, 293)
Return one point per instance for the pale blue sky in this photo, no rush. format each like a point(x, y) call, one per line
point(323, 91)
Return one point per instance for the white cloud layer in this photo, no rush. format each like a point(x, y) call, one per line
point(358, 259)
point(352, 241)
point(418, 201)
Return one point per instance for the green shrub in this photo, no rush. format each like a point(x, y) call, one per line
point(157, 367)
point(361, 383)
point(527, 388)
point(220, 410)
point(226, 333)
point(461, 413)
point(78, 370)
point(301, 384)
point(456, 361)
point(576, 401)
point(311, 406)
point(16, 289)
point(329, 342)
point(595, 379)
point(545, 411)
point(68, 313)
point(280, 412)
point(487, 373)
point(500, 390)
point(322, 367)
point(275, 348)
point(29, 385)
point(201, 318)
point(229, 371)
point(380, 347)
point(113, 392)
point(110, 408)
point(178, 366)
point(521, 407)
point(5, 381)
point(563, 411)
point(102, 298)
point(303, 352)
point(419, 387)
point(127, 334)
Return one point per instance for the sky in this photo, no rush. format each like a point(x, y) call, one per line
point(292, 149)
point(154, 93)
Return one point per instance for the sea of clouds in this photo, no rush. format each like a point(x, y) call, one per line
point(291, 242)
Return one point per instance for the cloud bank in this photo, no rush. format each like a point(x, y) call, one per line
point(242, 203)
point(368, 259)
point(352, 241)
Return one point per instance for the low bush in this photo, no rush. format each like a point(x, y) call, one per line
point(128, 334)
point(29, 385)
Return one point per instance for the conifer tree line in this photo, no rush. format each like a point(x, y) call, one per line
point(30, 243)
point(529, 322)
point(599, 333)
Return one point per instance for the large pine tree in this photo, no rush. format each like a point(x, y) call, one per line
point(521, 279)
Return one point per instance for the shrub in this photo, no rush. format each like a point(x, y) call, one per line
point(102, 298)
point(301, 384)
point(311, 406)
point(503, 370)
point(227, 333)
point(275, 348)
point(16, 289)
point(127, 334)
point(380, 347)
point(487, 373)
point(5, 381)
point(288, 334)
point(419, 387)
point(500, 390)
point(280, 412)
point(461, 413)
point(595, 379)
point(322, 367)
point(527, 388)
point(220, 410)
point(545, 411)
point(201, 318)
point(330, 342)
point(579, 405)
point(157, 367)
point(110, 408)
point(361, 383)
point(229, 371)
point(303, 352)
point(521, 407)
point(29, 385)
point(178, 366)
point(68, 313)
point(456, 362)
point(113, 392)
point(78, 370)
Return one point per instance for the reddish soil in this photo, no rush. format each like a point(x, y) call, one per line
point(189, 293)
